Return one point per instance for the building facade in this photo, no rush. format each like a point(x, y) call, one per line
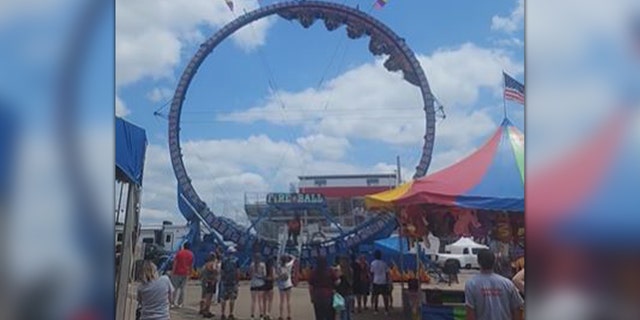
point(345, 193)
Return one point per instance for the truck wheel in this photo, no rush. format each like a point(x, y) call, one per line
point(467, 266)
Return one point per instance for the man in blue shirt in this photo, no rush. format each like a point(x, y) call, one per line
point(490, 296)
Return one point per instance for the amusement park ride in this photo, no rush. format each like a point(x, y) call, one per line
point(222, 230)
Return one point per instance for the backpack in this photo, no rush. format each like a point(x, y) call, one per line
point(229, 270)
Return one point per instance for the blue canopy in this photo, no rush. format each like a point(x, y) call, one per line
point(131, 146)
point(392, 252)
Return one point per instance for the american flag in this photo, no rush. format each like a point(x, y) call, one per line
point(513, 90)
point(379, 4)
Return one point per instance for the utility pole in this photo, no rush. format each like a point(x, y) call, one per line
point(398, 172)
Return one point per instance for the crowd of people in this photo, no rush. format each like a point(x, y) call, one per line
point(337, 291)
point(352, 279)
point(219, 275)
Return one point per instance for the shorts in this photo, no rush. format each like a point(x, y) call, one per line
point(228, 292)
point(268, 285)
point(285, 289)
point(257, 288)
point(380, 289)
point(208, 288)
point(361, 289)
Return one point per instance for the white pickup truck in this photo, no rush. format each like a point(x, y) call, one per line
point(464, 250)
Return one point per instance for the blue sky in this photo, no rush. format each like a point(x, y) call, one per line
point(331, 108)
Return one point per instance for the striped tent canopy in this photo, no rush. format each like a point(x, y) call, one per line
point(491, 178)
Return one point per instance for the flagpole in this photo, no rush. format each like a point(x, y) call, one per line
point(504, 101)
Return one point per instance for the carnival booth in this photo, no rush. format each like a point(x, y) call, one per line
point(480, 197)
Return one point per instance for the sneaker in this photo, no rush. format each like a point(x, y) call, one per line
point(231, 317)
point(180, 306)
point(223, 317)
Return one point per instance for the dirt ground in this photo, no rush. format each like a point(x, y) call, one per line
point(301, 307)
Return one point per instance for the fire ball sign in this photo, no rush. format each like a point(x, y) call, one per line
point(295, 198)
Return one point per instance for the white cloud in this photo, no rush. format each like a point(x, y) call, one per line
point(121, 108)
point(159, 94)
point(329, 148)
point(510, 42)
point(458, 74)
point(511, 23)
point(371, 103)
point(151, 34)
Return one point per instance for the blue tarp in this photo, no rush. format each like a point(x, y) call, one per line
point(392, 253)
point(131, 146)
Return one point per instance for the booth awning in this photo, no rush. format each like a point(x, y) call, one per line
point(131, 146)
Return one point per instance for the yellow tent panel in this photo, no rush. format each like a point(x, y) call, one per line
point(385, 199)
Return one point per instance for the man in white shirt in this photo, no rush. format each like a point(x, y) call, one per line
point(380, 272)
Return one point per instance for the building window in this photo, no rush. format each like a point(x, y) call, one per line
point(119, 237)
point(373, 181)
point(168, 238)
point(320, 182)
